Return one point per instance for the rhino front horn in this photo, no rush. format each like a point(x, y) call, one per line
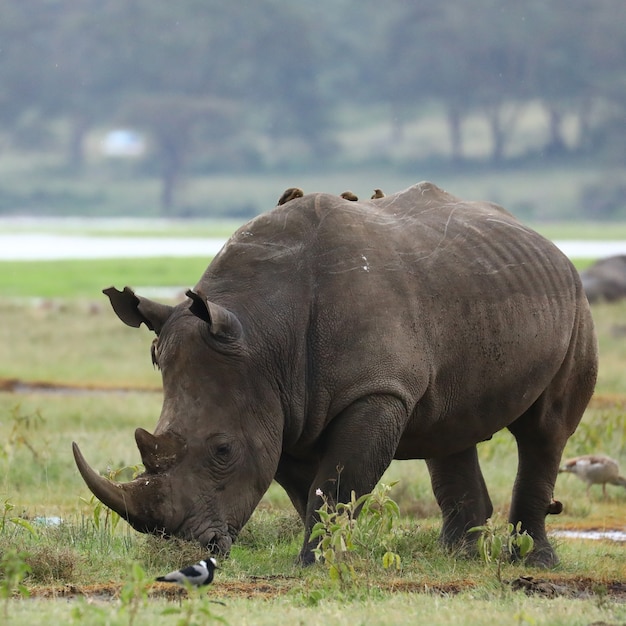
point(121, 498)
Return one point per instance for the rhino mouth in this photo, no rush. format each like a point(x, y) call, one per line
point(216, 539)
point(217, 543)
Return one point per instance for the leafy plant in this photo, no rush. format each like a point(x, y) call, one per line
point(16, 520)
point(103, 517)
point(134, 593)
point(589, 438)
point(23, 424)
point(359, 527)
point(498, 541)
point(14, 569)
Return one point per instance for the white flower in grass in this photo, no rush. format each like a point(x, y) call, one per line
point(319, 492)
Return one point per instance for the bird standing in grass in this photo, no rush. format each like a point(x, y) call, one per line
point(196, 575)
point(595, 469)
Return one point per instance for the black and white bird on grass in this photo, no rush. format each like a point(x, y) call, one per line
point(196, 575)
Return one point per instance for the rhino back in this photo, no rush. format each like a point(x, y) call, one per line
point(452, 306)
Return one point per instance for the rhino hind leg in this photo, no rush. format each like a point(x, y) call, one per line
point(462, 495)
point(541, 434)
point(533, 495)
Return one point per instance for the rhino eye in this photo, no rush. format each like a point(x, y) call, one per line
point(223, 450)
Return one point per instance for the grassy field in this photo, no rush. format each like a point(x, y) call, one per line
point(92, 570)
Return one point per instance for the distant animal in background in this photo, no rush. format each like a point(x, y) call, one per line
point(595, 469)
point(196, 575)
point(605, 279)
point(348, 195)
point(378, 193)
point(290, 194)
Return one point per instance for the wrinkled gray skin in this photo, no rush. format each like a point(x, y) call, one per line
point(605, 279)
point(330, 334)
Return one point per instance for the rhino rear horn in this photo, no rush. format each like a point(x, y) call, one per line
point(134, 310)
point(223, 323)
point(158, 452)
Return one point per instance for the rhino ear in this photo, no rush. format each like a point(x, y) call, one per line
point(134, 310)
point(223, 324)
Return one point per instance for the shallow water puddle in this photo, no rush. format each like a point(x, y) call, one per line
point(596, 535)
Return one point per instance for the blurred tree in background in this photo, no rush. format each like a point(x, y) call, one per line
point(270, 84)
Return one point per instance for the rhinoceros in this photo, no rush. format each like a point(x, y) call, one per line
point(329, 337)
point(605, 279)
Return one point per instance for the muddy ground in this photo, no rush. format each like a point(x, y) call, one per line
point(270, 587)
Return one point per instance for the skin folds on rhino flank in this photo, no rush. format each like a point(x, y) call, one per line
point(331, 333)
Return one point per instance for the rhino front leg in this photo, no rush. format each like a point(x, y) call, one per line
point(358, 447)
point(462, 495)
point(296, 476)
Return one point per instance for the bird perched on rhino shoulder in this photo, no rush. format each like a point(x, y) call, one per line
point(196, 575)
point(348, 195)
point(594, 469)
point(290, 194)
point(378, 193)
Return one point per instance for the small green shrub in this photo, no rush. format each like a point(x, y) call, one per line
point(15, 521)
point(13, 571)
point(23, 434)
point(498, 541)
point(360, 528)
point(134, 593)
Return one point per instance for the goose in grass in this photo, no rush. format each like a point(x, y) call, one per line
point(594, 469)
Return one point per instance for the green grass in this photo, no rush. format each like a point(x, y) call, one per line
point(72, 342)
point(87, 278)
point(371, 608)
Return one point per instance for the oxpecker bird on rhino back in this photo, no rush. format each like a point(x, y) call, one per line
point(335, 335)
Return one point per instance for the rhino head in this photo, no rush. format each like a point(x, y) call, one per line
point(214, 452)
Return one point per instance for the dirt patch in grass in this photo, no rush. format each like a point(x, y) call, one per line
point(274, 586)
point(264, 588)
point(608, 401)
point(16, 385)
point(572, 588)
